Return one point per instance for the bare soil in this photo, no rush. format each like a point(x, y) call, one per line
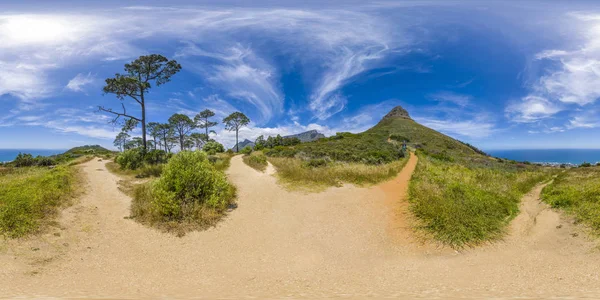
point(344, 242)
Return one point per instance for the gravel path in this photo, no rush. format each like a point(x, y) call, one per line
point(343, 242)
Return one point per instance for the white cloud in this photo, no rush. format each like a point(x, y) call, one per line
point(79, 81)
point(457, 99)
point(467, 128)
point(531, 109)
point(585, 121)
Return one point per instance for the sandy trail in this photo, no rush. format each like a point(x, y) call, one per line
point(277, 243)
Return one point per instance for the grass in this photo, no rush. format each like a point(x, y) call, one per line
point(296, 173)
point(577, 192)
point(30, 197)
point(221, 161)
point(256, 160)
point(468, 203)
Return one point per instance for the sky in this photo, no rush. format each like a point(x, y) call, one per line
point(496, 74)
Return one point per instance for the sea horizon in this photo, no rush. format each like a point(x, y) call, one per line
point(561, 156)
point(7, 155)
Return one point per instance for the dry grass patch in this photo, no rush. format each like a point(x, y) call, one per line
point(319, 174)
point(256, 160)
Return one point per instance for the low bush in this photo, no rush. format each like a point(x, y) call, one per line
point(29, 197)
point(246, 150)
point(577, 191)
point(24, 160)
point(154, 157)
point(190, 193)
point(213, 148)
point(256, 160)
point(130, 159)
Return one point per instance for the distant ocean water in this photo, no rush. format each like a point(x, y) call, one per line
point(11, 154)
point(573, 156)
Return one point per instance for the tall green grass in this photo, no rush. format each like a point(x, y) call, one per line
point(307, 174)
point(577, 191)
point(465, 204)
point(30, 197)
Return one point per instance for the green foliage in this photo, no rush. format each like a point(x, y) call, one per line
point(462, 204)
point(585, 165)
point(30, 196)
point(246, 150)
point(189, 191)
point(577, 191)
point(24, 160)
point(316, 163)
point(256, 160)
point(213, 148)
point(202, 120)
point(182, 124)
point(230, 151)
point(346, 147)
point(260, 143)
point(131, 159)
point(154, 157)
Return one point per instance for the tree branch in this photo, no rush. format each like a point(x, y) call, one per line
point(124, 114)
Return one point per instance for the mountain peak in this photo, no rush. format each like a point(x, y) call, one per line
point(397, 112)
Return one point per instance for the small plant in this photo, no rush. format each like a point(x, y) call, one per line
point(585, 165)
point(316, 162)
point(246, 150)
point(24, 160)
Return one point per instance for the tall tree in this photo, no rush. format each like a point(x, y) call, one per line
point(182, 125)
point(202, 120)
point(136, 82)
point(234, 122)
point(153, 131)
point(199, 139)
point(121, 139)
point(165, 133)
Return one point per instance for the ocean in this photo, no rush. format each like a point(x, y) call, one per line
point(10, 154)
point(563, 156)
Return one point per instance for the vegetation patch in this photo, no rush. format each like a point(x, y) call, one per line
point(190, 194)
point(257, 160)
point(577, 191)
point(30, 197)
point(465, 204)
point(321, 173)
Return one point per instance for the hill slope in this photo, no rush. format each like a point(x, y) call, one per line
point(382, 143)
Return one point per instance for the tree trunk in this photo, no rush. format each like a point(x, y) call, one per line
point(181, 147)
point(143, 118)
point(237, 144)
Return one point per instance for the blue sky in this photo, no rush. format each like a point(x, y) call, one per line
point(495, 74)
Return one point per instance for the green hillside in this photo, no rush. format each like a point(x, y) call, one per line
point(382, 143)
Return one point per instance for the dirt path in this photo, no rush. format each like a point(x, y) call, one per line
point(286, 244)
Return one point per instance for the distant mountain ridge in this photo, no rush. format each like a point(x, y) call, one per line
point(244, 143)
point(307, 136)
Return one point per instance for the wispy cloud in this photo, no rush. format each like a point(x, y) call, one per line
point(531, 109)
point(79, 81)
point(452, 97)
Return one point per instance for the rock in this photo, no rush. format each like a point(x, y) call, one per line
point(397, 112)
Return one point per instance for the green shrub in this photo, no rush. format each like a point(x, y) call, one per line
point(246, 150)
point(190, 190)
point(130, 159)
point(585, 165)
point(213, 148)
point(155, 157)
point(43, 161)
point(24, 160)
point(229, 151)
point(316, 162)
point(256, 160)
